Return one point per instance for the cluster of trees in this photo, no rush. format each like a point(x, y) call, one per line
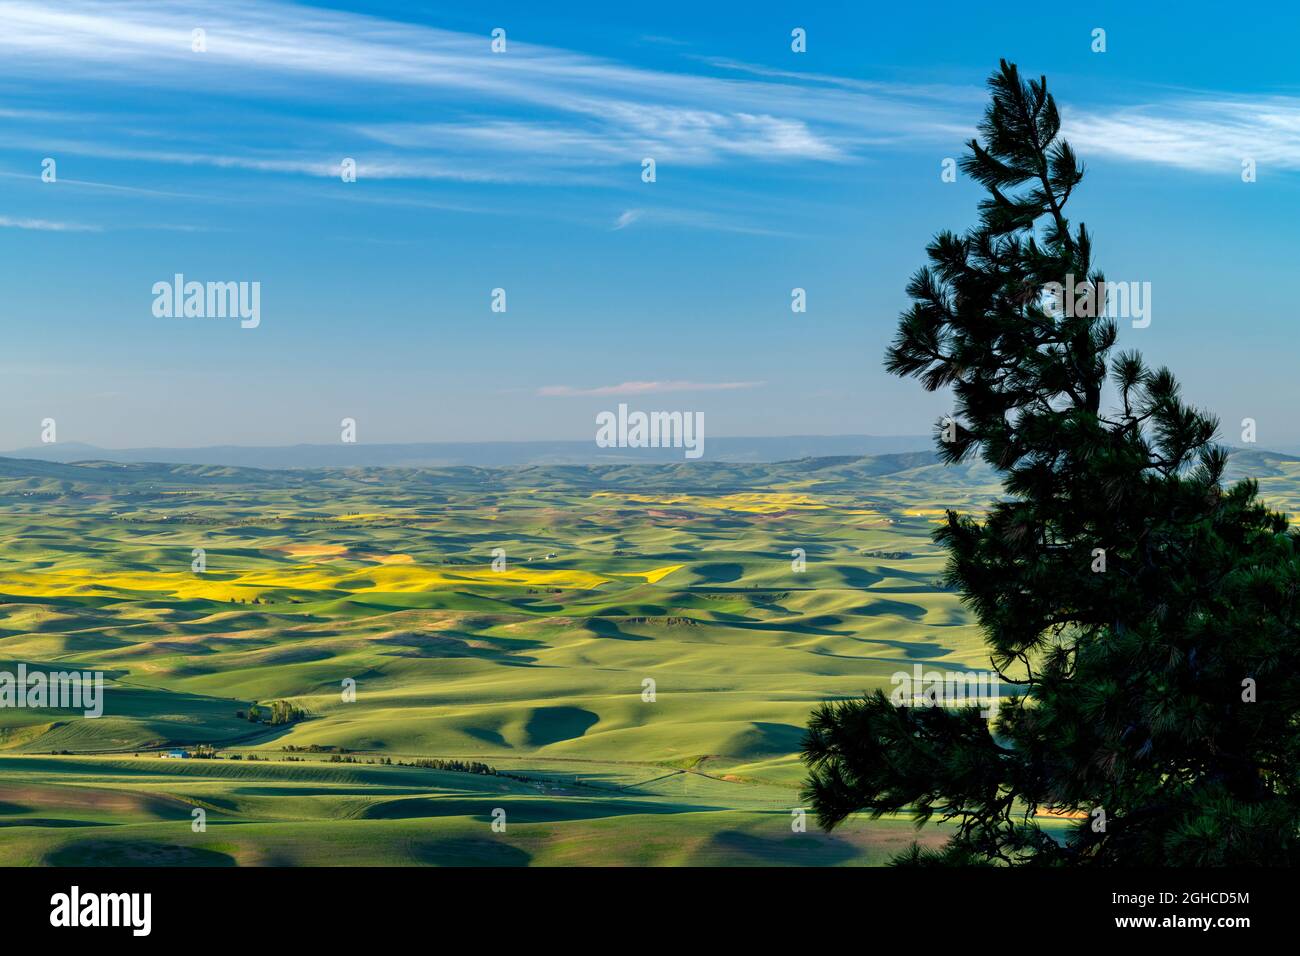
point(464, 766)
point(456, 766)
point(343, 755)
point(275, 713)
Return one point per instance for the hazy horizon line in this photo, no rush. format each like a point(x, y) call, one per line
point(451, 441)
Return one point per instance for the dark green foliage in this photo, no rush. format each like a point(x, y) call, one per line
point(1133, 679)
point(280, 712)
point(283, 712)
point(456, 766)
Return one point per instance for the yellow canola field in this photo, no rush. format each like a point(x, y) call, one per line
point(751, 502)
point(651, 577)
point(216, 585)
point(312, 550)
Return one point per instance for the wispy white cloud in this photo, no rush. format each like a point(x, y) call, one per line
point(1203, 133)
point(581, 109)
point(697, 219)
point(624, 133)
point(534, 113)
point(643, 388)
point(32, 177)
point(661, 40)
point(626, 218)
point(46, 225)
point(947, 93)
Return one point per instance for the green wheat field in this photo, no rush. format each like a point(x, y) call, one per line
point(537, 672)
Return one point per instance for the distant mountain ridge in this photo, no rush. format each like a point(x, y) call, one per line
point(481, 454)
point(824, 474)
point(18, 475)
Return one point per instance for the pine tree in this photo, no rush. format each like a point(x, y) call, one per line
point(1144, 611)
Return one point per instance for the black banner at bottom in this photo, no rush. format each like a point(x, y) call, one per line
point(331, 905)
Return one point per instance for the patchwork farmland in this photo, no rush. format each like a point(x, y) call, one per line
point(374, 666)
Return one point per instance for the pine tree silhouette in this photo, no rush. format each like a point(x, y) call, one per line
point(1142, 614)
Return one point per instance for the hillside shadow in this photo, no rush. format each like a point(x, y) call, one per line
point(719, 573)
point(764, 739)
point(450, 644)
point(468, 851)
point(904, 609)
point(134, 853)
point(783, 627)
point(550, 725)
point(52, 823)
point(553, 809)
point(603, 627)
point(738, 848)
point(859, 577)
point(487, 736)
point(912, 650)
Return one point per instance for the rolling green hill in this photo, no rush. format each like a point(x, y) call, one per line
point(615, 576)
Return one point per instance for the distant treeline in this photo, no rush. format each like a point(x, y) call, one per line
point(430, 763)
point(456, 766)
point(344, 755)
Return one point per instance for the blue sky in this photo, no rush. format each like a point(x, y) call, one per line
point(522, 170)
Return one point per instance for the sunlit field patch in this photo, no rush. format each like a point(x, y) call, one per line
point(394, 577)
point(312, 550)
point(750, 502)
